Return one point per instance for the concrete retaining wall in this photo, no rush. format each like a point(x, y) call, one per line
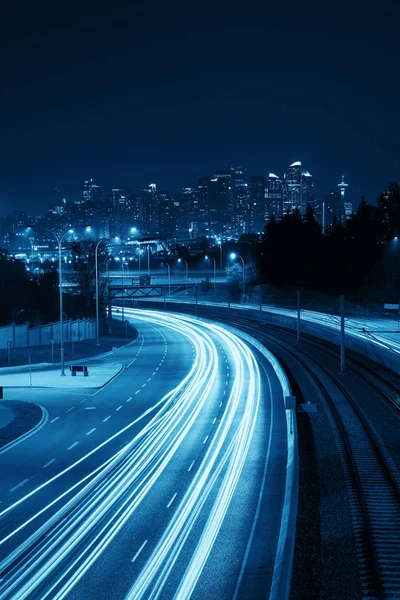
point(22, 336)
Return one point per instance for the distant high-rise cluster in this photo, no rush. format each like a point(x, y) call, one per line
point(228, 203)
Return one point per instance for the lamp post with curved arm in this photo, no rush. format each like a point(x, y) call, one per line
point(187, 272)
point(59, 239)
point(233, 255)
point(169, 277)
point(97, 289)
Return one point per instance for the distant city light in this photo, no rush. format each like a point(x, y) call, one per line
point(232, 255)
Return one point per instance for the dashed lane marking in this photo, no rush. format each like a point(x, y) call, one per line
point(139, 551)
point(119, 408)
point(91, 431)
point(20, 484)
point(191, 465)
point(55, 419)
point(172, 499)
point(106, 419)
point(49, 463)
point(73, 445)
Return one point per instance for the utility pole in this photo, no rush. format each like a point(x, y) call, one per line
point(342, 350)
point(298, 316)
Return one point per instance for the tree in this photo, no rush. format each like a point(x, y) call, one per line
point(17, 298)
point(84, 276)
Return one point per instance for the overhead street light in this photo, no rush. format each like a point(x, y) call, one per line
point(215, 270)
point(233, 256)
point(187, 271)
point(59, 239)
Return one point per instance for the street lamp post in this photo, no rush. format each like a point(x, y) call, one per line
point(220, 255)
point(97, 290)
point(215, 270)
point(123, 289)
point(169, 278)
point(233, 256)
point(59, 239)
point(148, 260)
point(187, 272)
point(139, 252)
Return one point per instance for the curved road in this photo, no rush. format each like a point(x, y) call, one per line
point(166, 483)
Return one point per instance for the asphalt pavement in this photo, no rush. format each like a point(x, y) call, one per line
point(168, 482)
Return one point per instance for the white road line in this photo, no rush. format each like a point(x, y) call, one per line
point(49, 463)
point(215, 418)
point(21, 483)
point(72, 408)
point(154, 372)
point(55, 419)
point(220, 404)
point(149, 379)
point(119, 408)
point(106, 419)
point(144, 385)
point(205, 439)
point(137, 391)
point(73, 445)
point(130, 398)
point(139, 551)
point(84, 400)
point(172, 499)
point(90, 408)
point(191, 465)
point(91, 431)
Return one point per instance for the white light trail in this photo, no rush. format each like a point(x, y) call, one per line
point(60, 551)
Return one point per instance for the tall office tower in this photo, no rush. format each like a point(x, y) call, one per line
point(298, 188)
point(219, 199)
point(91, 192)
point(347, 206)
point(149, 208)
point(273, 197)
point(202, 194)
point(307, 191)
point(240, 219)
point(122, 215)
point(230, 178)
point(257, 203)
point(292, 187)
point(167, 217)
point(190, 209)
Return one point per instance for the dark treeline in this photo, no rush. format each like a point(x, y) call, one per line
point(347, 259)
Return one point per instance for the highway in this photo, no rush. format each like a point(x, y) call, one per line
point(383, 332)
point(169, 482)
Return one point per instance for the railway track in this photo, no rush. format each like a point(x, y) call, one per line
point(372, 482)
point(372, 479)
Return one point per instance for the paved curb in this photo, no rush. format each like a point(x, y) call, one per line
point(29, 418)
point(38, 366)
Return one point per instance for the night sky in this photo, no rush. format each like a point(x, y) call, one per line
point(166, 92)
